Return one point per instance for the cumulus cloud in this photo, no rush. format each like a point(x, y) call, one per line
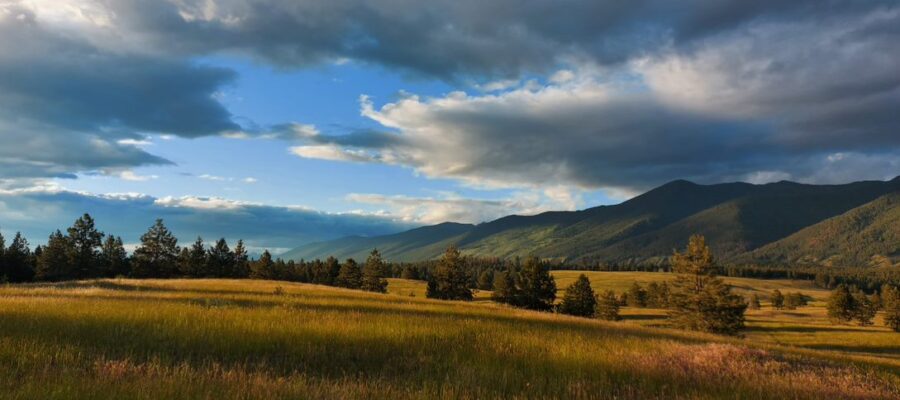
point(36, 210)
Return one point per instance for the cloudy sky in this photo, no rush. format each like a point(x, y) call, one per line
point(284, 122)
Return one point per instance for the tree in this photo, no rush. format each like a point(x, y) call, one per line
point(608, 306)
point(449, 281)
point(637, 296)
point(699, 300)
point(754, 302)
point(579, 299)
point(264, 267)
point(504, 288)
point(332, 269)
point(409, 272)
point(113, 257)
point(17, 261)
point(219, 260)
point(85, 241)
point(794, 300)
point(863, 309)
point(241, 267)
point(157, 255)
point(373, 274)
point(486, 280)
point(53, 263)
point(192, 260)
point(777, 299)
point(350, 276)
point(890, 297)
point(536, 287)
point(840, 305)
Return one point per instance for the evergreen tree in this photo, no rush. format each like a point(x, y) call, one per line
point(840, 305)
point(777, 299)
point(113, 257)
point(350, 276)
point(53, 264)
point(486, 280)
point(637, 296)
point(332, 269)
point(890, 297)
point(192, 261)
point(504, 288)
point(2, 255)
point(241, 267)
point(863, 309)
point(220, 260)
point(794, 300)
point(264, 267)
point(536, 287)
point(17, 261)
point(699, 300)
point(373, 273)
point(157, 255)
point(754, 302)
point(449, 281)
point(579, 299)
point(608, 306)
point(409, 272)
point(85, 241)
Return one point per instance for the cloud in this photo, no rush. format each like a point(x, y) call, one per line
point(37, 210)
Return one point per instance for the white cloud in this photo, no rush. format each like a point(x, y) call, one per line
point(331, 152)
point(130, 175)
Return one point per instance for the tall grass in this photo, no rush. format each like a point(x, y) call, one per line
point(248, 339)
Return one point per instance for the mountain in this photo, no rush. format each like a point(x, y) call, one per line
point(737, 218)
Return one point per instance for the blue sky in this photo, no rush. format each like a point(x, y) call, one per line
point(362, 117)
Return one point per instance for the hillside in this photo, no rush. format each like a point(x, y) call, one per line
point(852, 238)
point(737, 218)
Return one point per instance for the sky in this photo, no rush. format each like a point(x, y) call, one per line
point(286, 122)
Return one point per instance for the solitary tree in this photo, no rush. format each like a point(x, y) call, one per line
point(373, 273)
point(157, 255)
point(608, 306)
point(449, 281)
point(699, 300)
point(350, 276)
point(777, 299)
point(840, 305)
point(579, 299)
point(536, 288)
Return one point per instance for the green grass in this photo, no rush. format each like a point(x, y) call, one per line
point(239, 339)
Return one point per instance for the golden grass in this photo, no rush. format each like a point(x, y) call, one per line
point(234, 339)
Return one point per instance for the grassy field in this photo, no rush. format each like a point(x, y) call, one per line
point(259, 339)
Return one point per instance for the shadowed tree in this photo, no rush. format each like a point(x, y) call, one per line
point(579, 299)
point(350, 276)
point(409, 272)
point(219, 260)
point(777, 299)
point(486, 280)
point(241, 268)
point(504, 288)
point(754, 302)
point(840, 305)
point(608, 306)
point(699, 300)
point(157, 255)
point(192, 260)
point(449, 281)
point(864, 309)
point(85, 243)
point(264, 267)
point(373, 274)
point(53, 263)
point(536, 287)
point(890, 298)
point(113, 257)
point(637, 296)
point(17, 261)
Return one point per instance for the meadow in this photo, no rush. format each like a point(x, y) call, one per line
point(238, 339)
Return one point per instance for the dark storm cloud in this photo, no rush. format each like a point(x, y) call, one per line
point(129, 216)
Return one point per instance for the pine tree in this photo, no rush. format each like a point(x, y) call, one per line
point(777, 299)
point(449, 281)
point(409, 272)
point(54, 263)
point(863, 309)
point(637, 296)
point(794, 300)
point(219, 260)
point(157, 255)
point(264, 267)
point(85, 241)
point(608, 306)
point(579, 299)
point(536, 287)
point(241, 267)
point(113, 257)
point(840, 305)
point(192, 261)
point(699, 300)
point(17, 261)
point(331, 271)
point(890, 297)
point(754, 302)
point(486, 280)
point(373, 274)
point(504, 288)
point(350, 276)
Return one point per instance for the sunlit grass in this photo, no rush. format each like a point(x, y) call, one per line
point(246, 339)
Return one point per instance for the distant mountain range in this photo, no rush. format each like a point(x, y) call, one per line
point(777, 223)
